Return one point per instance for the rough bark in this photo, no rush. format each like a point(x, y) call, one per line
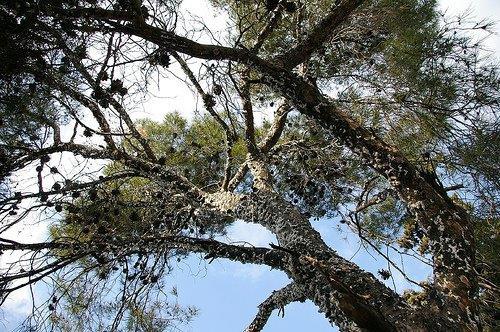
point(446, 224)
point(339, 288)
point(277, 300)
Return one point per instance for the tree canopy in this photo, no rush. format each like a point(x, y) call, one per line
point(380, 116)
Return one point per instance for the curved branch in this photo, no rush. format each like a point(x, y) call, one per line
point(277, 300)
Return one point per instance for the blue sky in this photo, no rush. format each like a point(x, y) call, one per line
point(228, 293)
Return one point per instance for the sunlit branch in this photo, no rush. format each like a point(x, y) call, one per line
point(265, 146)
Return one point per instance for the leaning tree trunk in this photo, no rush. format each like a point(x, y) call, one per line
point(340, 289)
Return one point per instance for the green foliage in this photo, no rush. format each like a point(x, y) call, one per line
point(385, 219)
point(480, 153)
point(137, 207)
point(79, 307)
point(189, 148)
point(397, 70)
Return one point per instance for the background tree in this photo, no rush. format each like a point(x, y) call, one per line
point(384, 118)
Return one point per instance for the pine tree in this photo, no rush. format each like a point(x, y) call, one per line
point(385, 121)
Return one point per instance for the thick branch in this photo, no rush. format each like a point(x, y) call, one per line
point(277, 300)
point(319, 34)
point(357, 292)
